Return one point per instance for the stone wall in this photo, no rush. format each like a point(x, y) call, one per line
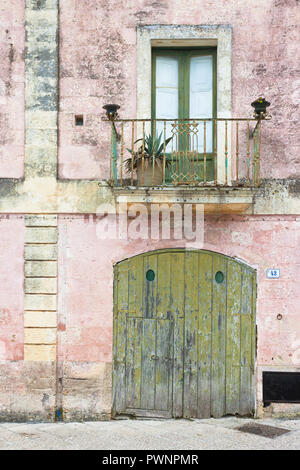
point(86, 287)
point(12, 43)
point(12, 290)
point(56, 296)
point(98, 64)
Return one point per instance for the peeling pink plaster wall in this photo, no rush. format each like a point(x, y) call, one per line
point(12, 287)
point(87, 287)
point(12, 79)
point(98, 66)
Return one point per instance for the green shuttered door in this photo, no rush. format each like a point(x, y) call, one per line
point(184, 335)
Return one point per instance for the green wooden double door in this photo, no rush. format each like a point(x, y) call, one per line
point(184, 335)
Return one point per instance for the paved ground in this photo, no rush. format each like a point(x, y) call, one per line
point(148, 434)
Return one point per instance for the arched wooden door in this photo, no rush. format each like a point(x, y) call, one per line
point(184, 335)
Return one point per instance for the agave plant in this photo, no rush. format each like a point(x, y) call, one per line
point(152, 147)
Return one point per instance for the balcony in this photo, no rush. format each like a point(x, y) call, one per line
point(215, 162)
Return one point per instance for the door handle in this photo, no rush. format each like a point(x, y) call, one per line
point(156, 358)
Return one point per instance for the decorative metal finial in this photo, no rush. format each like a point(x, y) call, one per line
point(111, 111)
point(260, 108)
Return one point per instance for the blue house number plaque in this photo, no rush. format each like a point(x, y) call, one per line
point(273, 273)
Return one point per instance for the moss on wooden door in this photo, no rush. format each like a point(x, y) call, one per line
point(184, 335)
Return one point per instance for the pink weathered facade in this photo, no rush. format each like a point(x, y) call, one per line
point(57, 277)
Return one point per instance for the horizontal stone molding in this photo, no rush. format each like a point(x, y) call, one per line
point(52, 196)
point(41, 220)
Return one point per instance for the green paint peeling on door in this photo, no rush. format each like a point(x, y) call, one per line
point(184, 338)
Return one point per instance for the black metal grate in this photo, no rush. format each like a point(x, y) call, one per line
point(263, 430)
point(281, 387)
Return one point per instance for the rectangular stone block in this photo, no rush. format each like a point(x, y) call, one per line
point(40, 162)
point(40, 235)
point(40, 302)
point(39, 157)
point(40, 335)
point(36, 14)
point(41, 137)
point(41, 94)
point(39, 352)
point(41, 119)
point(40, 285)
point(45, 67)
point(41, 268)
point(41, 4)
point(40, 252)
point(43, 32)
point(41, 220)
point(40, 319)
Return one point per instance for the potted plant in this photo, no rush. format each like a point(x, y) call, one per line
point(152, 147)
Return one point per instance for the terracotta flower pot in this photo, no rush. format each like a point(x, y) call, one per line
point(148, 169)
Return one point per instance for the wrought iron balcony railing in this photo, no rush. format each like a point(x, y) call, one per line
point(194, 152)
